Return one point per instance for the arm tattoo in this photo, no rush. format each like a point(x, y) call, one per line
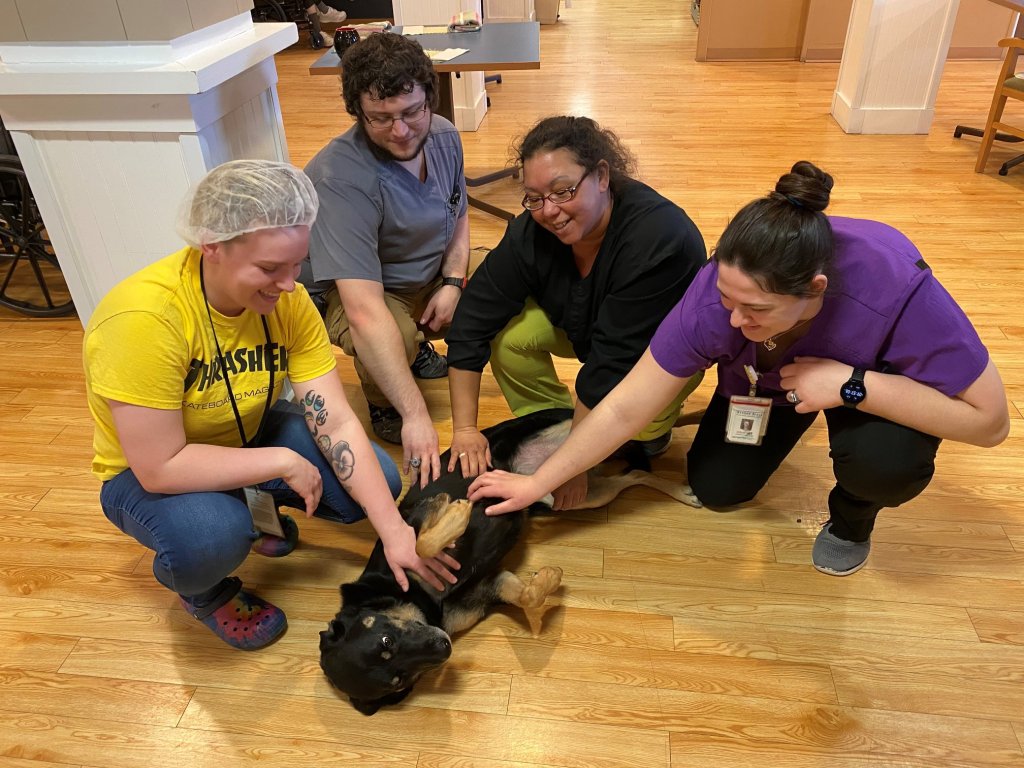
point(343, 461)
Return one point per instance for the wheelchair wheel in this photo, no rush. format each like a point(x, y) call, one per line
point(269, 10)
point(30, 278)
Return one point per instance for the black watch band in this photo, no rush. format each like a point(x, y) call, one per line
point(853, 391)
point(458, 282)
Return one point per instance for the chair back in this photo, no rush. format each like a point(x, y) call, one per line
point(6, 142)
point(1008, 85)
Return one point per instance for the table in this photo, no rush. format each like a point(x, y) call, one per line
point(508, 45)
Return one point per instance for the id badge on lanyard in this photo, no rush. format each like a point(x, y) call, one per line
point(260, 503)
point(748, 414)
point(263, 510)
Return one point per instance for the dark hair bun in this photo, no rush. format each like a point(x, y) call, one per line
point(806, 186)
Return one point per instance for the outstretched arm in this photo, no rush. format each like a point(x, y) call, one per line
point(341, 438)
point(638, 398)
point(469, 446)
point(381, 349)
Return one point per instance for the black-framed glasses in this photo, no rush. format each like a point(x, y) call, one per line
point(409, 117)
point(559, 196)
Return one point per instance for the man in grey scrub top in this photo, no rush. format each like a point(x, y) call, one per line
point(389, 251)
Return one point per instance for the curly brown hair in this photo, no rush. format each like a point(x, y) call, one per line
point(588, 142)
point(385, 65)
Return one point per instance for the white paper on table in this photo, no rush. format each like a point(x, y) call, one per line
point(447, 54)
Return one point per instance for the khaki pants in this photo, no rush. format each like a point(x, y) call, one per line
point(404, 307)
point(522, 365)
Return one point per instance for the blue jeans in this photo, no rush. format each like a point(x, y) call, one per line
point(200, 538)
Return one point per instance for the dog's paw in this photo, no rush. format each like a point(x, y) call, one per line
point(534, 594)
point(687, 496)
point(442, 529)
point(544, 582)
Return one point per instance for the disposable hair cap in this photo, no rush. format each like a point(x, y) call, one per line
point(244, 196)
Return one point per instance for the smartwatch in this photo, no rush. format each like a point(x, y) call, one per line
point(853, 391)
point(458, 282)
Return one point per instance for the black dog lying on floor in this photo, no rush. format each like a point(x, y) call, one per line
point(383, 640)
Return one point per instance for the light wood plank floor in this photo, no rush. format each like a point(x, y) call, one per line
point(684, 637)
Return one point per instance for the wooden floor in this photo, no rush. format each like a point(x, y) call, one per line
point(683, 637)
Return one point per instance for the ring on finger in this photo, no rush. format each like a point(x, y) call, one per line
point(462, 454)
point(415, 462)
point(793, 397)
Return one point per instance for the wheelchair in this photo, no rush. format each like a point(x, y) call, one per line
point(286, 11)
point(30, 278)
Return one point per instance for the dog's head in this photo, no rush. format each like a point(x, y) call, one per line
point(376, 648)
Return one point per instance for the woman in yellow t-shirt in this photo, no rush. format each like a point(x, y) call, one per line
point(185, 361)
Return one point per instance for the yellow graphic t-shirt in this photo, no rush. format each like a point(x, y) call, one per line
point(150, 343)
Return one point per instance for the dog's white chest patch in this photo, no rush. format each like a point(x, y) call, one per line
point(536, 450)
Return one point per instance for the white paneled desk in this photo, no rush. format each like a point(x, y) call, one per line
point(112, 135)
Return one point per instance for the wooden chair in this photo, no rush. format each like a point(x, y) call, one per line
point(1007, 86)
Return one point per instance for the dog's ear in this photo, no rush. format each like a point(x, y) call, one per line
point(366, 706)
point(370, 706)
point(372, 591)
point(335, 631)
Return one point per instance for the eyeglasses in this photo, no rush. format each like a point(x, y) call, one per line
point(535, 203)
point(409, 117)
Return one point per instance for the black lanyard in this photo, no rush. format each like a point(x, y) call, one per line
point(224, 369)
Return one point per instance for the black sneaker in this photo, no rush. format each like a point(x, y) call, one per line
point(386, 422)
point(428, 363)
point(656, 445)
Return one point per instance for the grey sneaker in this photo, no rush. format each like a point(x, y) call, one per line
point(429, 364)
point(386, 422)
point(838, 557)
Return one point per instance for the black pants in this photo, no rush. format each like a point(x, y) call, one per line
point(877, 463)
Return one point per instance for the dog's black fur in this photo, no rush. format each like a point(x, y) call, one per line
point(382, 640)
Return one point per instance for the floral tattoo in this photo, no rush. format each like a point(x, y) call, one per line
point(343, 461)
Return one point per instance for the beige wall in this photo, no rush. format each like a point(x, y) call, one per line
point(741, 29)
point(110, 20)
point(825, 33)
point(980, 25)
point(815, 30)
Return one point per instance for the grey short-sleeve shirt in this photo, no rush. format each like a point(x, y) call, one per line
point(379, 222)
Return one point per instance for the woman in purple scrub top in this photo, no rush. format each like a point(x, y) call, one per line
point(803, 313)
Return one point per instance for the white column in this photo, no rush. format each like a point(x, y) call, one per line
point(469, 98)
point(511, 10)
point(892, 62)
point(112, 135)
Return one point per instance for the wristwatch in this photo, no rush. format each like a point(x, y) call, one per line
point(458, 282)
point(853, 391)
